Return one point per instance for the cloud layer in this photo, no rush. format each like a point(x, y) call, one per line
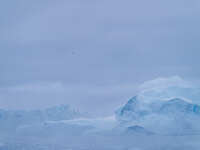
point(168, 88)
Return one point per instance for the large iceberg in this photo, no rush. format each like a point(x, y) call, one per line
point(164, 106)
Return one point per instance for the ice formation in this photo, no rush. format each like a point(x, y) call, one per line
point(165, 106)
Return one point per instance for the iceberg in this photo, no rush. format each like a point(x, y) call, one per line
point(10, 120)
point(170, 107)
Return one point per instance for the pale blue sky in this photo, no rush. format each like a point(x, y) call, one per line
point(93, 54)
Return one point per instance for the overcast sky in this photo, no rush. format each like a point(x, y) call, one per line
point(92, 54)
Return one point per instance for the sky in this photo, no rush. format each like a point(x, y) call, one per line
point(93, 54)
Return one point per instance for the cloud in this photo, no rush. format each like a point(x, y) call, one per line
point(167, 88)
point(165, 82)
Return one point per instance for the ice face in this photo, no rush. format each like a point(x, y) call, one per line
point(161, 117)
